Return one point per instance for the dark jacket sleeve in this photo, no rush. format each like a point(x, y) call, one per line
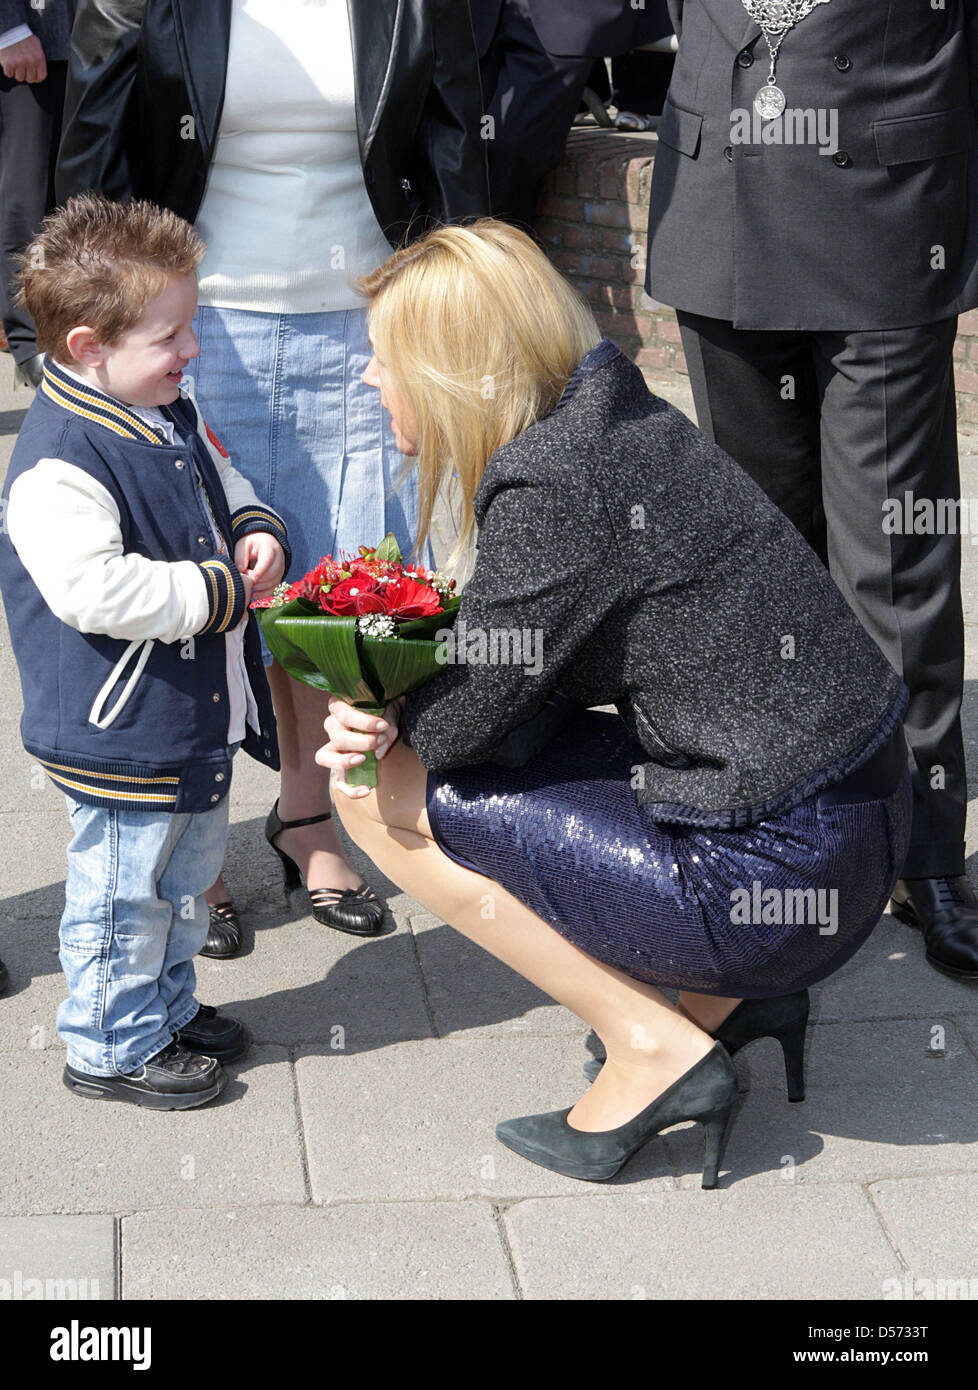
point(99, 116)
point(543, 570)
point(450, 154)
point(14, 12)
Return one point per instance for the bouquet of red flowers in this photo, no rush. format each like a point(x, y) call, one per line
point(364, 628)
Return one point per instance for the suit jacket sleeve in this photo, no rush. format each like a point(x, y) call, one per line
point(450, 154)
point(14, 13)
point(99, 125)
point(542, 571)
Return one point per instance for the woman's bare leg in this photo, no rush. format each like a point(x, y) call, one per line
point(708, 1010)
point(650, 1044)
point(299, 714)
point(300, 711)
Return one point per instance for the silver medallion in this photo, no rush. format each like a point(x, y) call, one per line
point(769, 102)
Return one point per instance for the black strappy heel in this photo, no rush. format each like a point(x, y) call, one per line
point(355, 910)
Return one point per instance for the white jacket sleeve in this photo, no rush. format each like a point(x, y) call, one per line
point(65, 527)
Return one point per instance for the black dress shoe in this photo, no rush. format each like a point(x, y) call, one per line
point(213, 1035)
point(30, 372)
point(223, 932)
point(4, 977)
point(946, 910)
point(174, 1079)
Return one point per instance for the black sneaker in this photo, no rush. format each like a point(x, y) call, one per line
point(173, 1079)
point(4, 977)
point(213, 1034)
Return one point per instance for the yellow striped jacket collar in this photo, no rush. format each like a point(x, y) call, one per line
point(87, 401)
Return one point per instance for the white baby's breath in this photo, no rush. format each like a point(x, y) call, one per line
point(377, 625)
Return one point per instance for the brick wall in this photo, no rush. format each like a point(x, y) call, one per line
point(592, 216)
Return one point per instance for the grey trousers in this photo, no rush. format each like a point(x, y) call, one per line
point(831, 426)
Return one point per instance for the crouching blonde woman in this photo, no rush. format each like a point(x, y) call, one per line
point(734, 831)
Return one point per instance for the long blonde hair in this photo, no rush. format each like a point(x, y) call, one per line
point(480, 335)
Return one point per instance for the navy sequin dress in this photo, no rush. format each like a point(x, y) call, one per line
point(746, 913)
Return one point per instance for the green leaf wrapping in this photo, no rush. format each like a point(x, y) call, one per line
point(329, 654)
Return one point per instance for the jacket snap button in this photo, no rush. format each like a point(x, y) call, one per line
point(841, 158)
point(406, 185)
point(179, 464)
point(201, 540)
point(842, 61)
point(216, 697)
point(218, 776)
point(728, 152)
point(215, 797)
point(268, 752)
point(745, 58)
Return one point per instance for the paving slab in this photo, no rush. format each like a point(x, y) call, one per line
point(743, 1243)
point(66, 1154)
point(301, 982)
point(881, 1102)
point(403, 1250)
point(471, 991)
point(417, 1120)
point(57, 1257)
point(933, 1223)
point(889, 977)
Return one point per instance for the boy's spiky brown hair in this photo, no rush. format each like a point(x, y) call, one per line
point(99, 263)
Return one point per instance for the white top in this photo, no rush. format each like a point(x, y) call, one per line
point(285, 215)
point(66, 529)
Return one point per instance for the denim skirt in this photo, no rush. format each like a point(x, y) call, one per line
point(284, 394)
point(746, 913)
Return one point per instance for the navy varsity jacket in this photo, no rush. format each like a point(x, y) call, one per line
point(125, 685)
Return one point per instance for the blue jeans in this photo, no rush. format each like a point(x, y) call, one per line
point(135, 916)
point(284, 394)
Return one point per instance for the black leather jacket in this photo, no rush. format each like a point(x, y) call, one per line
point(146, 87)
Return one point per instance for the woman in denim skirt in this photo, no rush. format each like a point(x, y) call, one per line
point(303, 141)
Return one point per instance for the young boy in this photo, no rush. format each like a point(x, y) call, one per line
point(130, 550)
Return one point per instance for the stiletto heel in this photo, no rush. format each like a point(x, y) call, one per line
point(707, 1093)
point(792, 1040)
point(717, 1129)
point(292, 877)
point(355, 910)
point(784, 1017)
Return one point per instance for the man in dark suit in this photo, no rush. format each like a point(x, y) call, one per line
point(817, 261)
point(34, 43)
point(535, 57)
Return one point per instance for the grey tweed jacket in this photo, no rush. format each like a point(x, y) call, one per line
point(661, 579)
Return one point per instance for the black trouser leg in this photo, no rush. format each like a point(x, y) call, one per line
point(756, 396)
point(884, 424)
point(30, 131)
point(889, 428)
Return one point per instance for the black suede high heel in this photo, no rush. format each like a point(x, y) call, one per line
point(707, 1093)
point(784, 1018)
point(355, 910)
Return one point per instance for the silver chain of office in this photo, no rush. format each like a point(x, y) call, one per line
point(776, 18)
